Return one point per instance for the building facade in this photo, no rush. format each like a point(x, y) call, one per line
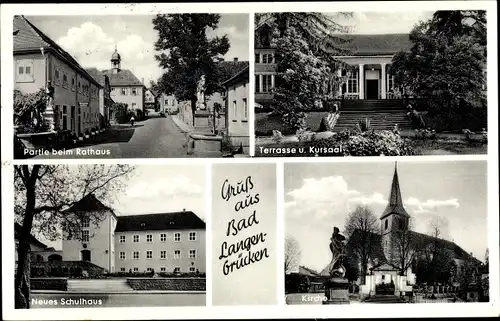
point(126, 88)
point(39, 63)
point(164, 242)
point(151, 99)
point(105, 101)
point(169, 104)
point(237, 112)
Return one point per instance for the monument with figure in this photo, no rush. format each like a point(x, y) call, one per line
point(336, 285)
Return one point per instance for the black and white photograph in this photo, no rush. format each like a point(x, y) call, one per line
point(131, 86)
point(90, 236)
point(411, 232)
point(370, 83)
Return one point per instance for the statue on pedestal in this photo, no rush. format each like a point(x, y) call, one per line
point(337, 286)
point(200, 94)
point(337, 247)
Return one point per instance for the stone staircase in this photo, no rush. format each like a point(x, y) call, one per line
point(383, 114)
point(384, 298)
point(98, 285)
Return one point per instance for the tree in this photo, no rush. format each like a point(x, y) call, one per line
point(447, 60)
point(43, 193)
point(361, 230)
point(29, 108)
point(406, 246)
point(292, 254)
point(306, 46)
point(187, 55)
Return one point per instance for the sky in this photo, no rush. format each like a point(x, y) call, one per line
point(159, 189)
point(318, 196)
point(92, 39)
point(384, 22)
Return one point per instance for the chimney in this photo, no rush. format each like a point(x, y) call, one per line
point(235, 58)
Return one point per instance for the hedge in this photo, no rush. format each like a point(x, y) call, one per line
point(168, 284)
point(60, 284)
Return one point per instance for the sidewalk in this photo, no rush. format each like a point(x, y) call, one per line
point(185, 128)
point(116, 292)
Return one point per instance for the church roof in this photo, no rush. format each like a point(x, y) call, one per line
point(159, 221)
point(28, 38)
point(123, 77)
point(395, 205)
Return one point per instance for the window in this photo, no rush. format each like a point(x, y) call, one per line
point(122, 255)
point(177, 269)
point(149, 269)
point(65, 79)
point(257, 83)
point(235, 110)
point(163, 237)
point(85, 222)
point(257, 58)
point(192, 254)
point(177, 254)
point(245, 109)
point(192, 236)
point(136, 269)
point(123, 91)
point(177, 237)
point(267, 58)
point(352, 83)
point(149, 238)
point(134, 91)
point(386, 224)
point(72, 82)
point(163, 269)
point(20, 70)
point(56, 74)
point(122, 269)
point(136, 255)
point(136, 238)
point(149, 255)
point(63, 116)
point(267, 83)
point(122, 238)
point(25, 71)
point(192, 269)
point(85, 236)
point(163, 255)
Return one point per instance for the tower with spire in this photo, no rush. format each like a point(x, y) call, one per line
point(394, 218)
point(116, 61)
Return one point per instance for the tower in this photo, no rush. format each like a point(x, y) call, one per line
point(116, 61)
point(394, 217)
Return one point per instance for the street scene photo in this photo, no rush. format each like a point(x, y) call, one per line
point(90, 236)
point(131, 86)
point(379, 232)
point(370, 83)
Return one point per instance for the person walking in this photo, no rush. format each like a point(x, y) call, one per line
point(132, 120)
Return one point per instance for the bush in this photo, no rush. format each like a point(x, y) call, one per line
point(296, 283)
point(425, 133)
point(171, 284)
point(59, 284)
point(294, 121)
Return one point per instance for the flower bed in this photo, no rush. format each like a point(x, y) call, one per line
point(168, 284)
point(60, 284)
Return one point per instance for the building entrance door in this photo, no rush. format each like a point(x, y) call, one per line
point(86, 255)
point(372, 89)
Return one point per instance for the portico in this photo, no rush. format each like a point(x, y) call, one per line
point(369, 78)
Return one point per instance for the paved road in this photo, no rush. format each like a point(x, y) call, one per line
point(87, 300)
point(157, 137)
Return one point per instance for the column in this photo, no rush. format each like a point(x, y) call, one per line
point(384, 80)
point(361, 81)
point(339, 75)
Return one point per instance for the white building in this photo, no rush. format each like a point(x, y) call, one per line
point(163, 242)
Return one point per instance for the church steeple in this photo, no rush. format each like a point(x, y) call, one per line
point(116, 61)
point(395, 205)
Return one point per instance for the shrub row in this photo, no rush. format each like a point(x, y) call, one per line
point(151, 274)
point(60, 284)
point(168, 284)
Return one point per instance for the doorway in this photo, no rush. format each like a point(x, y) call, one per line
point(86, 255)
point(372, 89)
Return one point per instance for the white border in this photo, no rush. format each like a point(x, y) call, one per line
point(279, 310)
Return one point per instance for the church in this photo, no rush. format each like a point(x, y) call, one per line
point(396, 250)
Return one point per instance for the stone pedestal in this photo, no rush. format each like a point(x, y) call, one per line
point(336, 291)
point(202, 122)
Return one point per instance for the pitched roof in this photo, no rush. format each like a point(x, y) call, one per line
point(159, 221)
point(96, 74)
point(28, 37)
point(242, 75)
point(88, 203)
point(395, 205)
point(123, 77)
point(374, 45)
point(307, 271)
point(228, 69)
point(425, 240)
point(18, 231)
